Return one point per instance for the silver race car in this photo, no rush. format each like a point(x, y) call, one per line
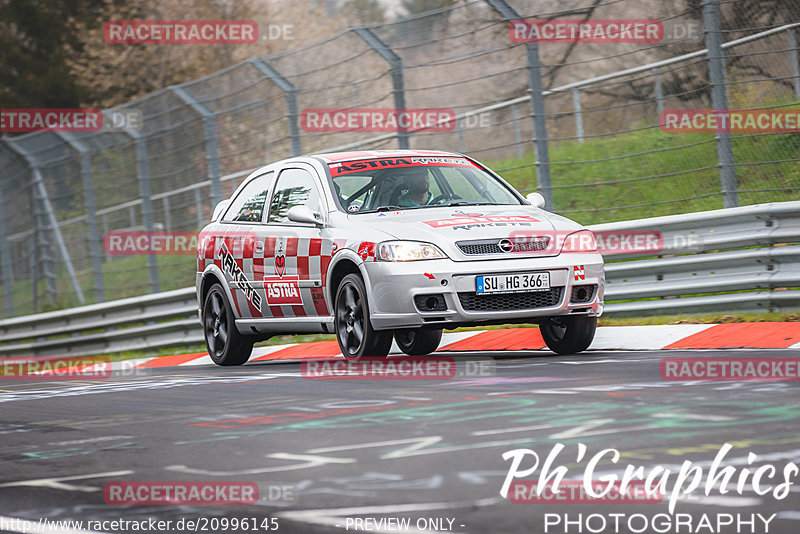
point(397, 244)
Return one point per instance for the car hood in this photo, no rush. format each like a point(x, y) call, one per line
point(447, 226)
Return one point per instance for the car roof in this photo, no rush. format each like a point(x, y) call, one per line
point(337, 157)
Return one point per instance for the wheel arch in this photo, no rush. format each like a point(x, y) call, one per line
point(346, 265)
point(213, 275)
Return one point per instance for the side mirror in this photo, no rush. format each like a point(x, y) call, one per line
point(219, 209)
point(536, 200)
point(302, 214)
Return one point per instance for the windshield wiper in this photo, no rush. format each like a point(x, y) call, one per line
point(465, 203)
point(387, 208)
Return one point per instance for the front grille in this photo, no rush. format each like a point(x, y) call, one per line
point(587, 292)
point(491, 246)
point(510, 301)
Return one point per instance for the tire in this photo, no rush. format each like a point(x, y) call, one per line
point(418, 342)
point(357, 339)
point(568, 335)
point(225, 344)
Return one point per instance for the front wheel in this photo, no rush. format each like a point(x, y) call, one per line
point(418, 342)
point(568, 335)
point(354, 330)
point(225, 344)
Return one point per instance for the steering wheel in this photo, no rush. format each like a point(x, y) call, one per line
point(444, 196)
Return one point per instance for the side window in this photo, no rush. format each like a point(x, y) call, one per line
point(296, 187)
point(248, 205)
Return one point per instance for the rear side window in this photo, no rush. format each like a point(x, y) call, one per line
point(296, 187)
point(248, 206)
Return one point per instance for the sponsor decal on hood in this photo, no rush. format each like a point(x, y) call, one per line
point(486, 220)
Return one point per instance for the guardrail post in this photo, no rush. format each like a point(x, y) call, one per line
point(91, 213)
point(537, 106)
point(396, 66)
point(212, 146)
point(143, 172)
point(659, 91)
point(792, 36)
point(290, 93)
point(719, 99)
point(576, 104)
point(40, 195)
point(5, 260)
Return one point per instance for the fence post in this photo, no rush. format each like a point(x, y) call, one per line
point(659, 92)
point(719, 100)
point(537, 106)
point(143, 172)
point(40, 195)
point(212, 146)
point(396, 66)
point(290, 93)
point(576, 104)
point(198, 206)
point(167, 216)
point(790, 34)
point(91, 213)
point(517, 133)
point(5, 260)
point(462, 145)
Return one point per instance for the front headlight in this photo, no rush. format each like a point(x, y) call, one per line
point(408, 251)
point(580, 241)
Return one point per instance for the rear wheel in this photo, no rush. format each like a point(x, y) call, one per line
point(568, 335)
point(225, 344)
point(418, 342)
point(354, 330)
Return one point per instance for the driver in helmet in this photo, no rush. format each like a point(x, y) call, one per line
point(416, 192)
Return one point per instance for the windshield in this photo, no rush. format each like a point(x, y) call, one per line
point(411, 183)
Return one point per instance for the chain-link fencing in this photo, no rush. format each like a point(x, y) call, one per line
point(581, 122)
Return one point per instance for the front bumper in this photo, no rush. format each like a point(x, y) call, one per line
point(392, 287)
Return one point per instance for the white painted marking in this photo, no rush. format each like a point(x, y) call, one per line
point(307, 461)
point(56, 483)
point(648, 337)
point(512, 429)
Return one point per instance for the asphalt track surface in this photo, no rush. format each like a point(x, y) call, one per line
point(326, 452)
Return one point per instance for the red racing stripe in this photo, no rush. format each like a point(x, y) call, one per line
point(171, 361)
point(742, 335)
point(304, 350)
point(510, 339)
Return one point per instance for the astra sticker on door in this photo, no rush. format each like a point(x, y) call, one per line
point(579, 271)
point(282, 291)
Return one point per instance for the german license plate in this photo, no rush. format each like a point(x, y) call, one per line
point(512, 283)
